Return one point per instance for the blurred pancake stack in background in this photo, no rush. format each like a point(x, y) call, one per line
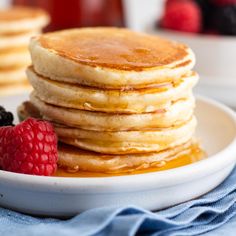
point(17, 26)
point(120, 101)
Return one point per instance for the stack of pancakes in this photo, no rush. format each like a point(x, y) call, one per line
point(17, 26)
point(120, 101)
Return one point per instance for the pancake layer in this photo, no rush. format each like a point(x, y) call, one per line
point(74, 159)
point(109, 58)
point(178, 113)
point(22, 19)
point(15, 57)
point(19, 40)
point(9, 76)
point(15, 88)
point(116, 101)
point(125, 142)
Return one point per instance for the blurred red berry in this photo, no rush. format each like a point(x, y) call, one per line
point(183, 16)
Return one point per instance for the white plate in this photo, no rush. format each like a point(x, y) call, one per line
point(58, 196)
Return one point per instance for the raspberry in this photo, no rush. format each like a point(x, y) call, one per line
point(6, 117)
point(223, 2)
point(29, 148)
point(182, 16)
point(225, 20)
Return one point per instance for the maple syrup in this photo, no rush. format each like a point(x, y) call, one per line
point(195, 154)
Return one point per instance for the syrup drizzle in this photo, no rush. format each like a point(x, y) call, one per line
point(195, 155)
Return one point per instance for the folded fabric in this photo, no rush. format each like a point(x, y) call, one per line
point(191, 218)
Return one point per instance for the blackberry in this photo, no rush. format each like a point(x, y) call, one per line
point(207, 9)
point(225, 20)
point(6, 117)
point(204, 5)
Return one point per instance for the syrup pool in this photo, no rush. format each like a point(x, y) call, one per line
point(196, 154)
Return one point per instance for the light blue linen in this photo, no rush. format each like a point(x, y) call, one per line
point(203, 215)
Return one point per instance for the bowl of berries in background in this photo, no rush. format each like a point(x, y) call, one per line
point(209, 28)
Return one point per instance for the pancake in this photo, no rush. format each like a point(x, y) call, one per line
point(109, 58)
point(74, 159)
point(126, 142)
point(14, 89)
point(22, 19)
point(18, 40)
point(14, 58)
point(179, 112)
point(126, 101)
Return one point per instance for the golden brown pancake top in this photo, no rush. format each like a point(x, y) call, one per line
point(113, 48)
point(20, 13)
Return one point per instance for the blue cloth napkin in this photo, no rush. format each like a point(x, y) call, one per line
point(191, 218)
